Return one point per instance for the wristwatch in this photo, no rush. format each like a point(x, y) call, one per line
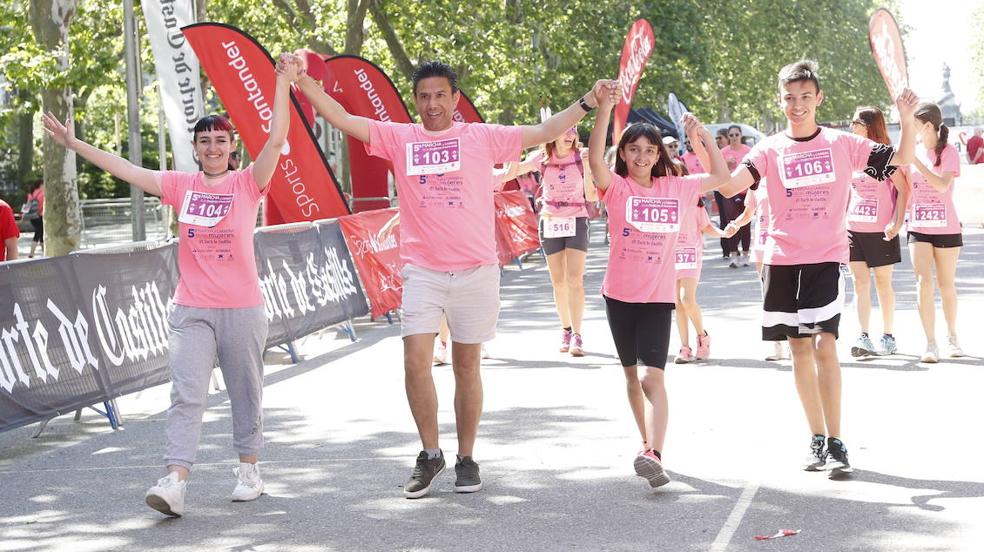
point(584, 105)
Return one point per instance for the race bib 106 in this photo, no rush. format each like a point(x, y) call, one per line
point(438, 157)
point(808, 168)
point(204, 209)
point(653, 214)
point(929, 215)
point(686, 257)
point(863, 210)
point(559, 227)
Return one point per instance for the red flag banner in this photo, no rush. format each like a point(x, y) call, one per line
point(242, 73)
point(888, 51)
point(365, 90)
point(466, 112)
point(639, 44)
point(515, 226)
point(376, 257)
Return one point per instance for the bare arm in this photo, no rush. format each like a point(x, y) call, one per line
point(266, 161)
point(740, 181)
point(556, 125)
point(64, 135)
point(596, 143)
point(11, 245)
point(590, 192)
point(700, 138)
point(904, 188)
point(748, 214)
point(906, 103)
point(327, 107)
point(940, 182)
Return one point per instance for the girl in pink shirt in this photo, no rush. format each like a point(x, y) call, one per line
point(935, 235)
point(647, 204)
point(217, 310)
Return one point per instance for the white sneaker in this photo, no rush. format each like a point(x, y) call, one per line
point(168, 495)
point(932, 354)
point(250, 486)
point(485, 352)
point(954, 350)
point(776, 352)
point(441, 353)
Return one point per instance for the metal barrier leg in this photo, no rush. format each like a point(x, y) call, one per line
point(41, 426)
point(78, 415)
point(349, 328)
point(292, 352)
point(389, 317)
point(110, 414)
point(116, 413)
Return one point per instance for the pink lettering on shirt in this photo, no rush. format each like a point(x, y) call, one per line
point(932, 212)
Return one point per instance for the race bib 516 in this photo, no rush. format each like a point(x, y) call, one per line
point(559, 227)
point(808, 168)
point(653, 214)
point(438, 157)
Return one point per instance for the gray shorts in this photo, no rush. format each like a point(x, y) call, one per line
point(578, 241)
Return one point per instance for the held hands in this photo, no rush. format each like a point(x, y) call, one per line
point(906, 103)
point(731, 229)
point(290, 67)
point(62, 134)
point(892, 230)
point(605, 94)
point(691, 125)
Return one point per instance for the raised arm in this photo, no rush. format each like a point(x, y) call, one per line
point(700, 138)
point(906, 104)
point(327, 107)
point(64, 135)
point(266, 161)
point(555, 126)
point(596, 142)
point(590, 192)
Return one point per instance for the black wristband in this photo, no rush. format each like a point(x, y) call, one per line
point(584, 105)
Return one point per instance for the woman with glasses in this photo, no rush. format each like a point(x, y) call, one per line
point(733, 154)
point(874, 217)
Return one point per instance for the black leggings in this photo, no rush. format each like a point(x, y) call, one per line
point(641, 331)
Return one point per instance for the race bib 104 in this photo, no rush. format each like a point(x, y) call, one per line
point(686, 257)
point(204, 209)
point(863, 210)
point(559, 227)
point(808, 168)
point(438, 157)
point(653, 214)
point(929, 215)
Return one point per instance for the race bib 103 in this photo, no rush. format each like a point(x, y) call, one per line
point(438, 157)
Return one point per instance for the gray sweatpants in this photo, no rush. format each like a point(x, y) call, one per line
point(237, 337)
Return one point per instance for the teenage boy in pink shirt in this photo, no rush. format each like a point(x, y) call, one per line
point(807, 170)
point(444, 176)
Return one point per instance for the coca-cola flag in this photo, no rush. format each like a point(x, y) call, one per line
point(887, 49)
point(363, 89)
point(242, 72)
point(377, 256)
point(639, 44)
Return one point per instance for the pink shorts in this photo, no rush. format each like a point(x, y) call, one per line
point(469, 298)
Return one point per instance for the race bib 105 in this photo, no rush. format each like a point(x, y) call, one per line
point(653, 214)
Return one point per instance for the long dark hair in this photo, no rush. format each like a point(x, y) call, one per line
point(928, 112)
point(874, 121)
point(663, 166)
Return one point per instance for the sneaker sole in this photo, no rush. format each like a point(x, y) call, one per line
point(468, 488)
point(929, 360)
point(161, 505)
point(651, 471)
point(425, 490)
point(258, 495)
point(814, 467)
point(679, 360)
point(838, 473)
point(858, 352)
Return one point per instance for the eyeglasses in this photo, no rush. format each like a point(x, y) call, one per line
point(858, 122)
point(730, 135)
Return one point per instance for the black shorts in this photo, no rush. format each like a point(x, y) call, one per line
point(38, 224)
point(937, 240)
point(873, 250)
point(641, 331)
point(578, 241)
point(801, 300)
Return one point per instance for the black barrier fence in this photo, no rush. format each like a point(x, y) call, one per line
point(86, 328)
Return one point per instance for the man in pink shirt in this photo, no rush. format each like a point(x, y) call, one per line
point(807, 170)
point(443, 172)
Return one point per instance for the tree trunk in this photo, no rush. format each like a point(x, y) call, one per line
point(403, 62)
point(25, 137)
point(354, 35)
point(62, 222)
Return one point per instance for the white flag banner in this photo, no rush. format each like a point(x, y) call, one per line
point(675, 109)
point(177, 71)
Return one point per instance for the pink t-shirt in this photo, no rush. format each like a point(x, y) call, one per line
point(932, 212)
point(216, 261)
point(692, 163)
point(690, 243)
point(809, 185)
point(445, 184)
point(871, 205)
point(760, 224)
point(733, 156)
point(644, 224)
point(563, 188)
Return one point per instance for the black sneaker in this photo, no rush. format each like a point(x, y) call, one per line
point(838, 464)
point(818, 454)
point(467, 480)
point(423, 474)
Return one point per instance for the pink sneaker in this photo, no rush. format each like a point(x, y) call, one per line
point(684, 356)
point(565, 341)
point(703, 346)
point(577, 346)
point(647, 465)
